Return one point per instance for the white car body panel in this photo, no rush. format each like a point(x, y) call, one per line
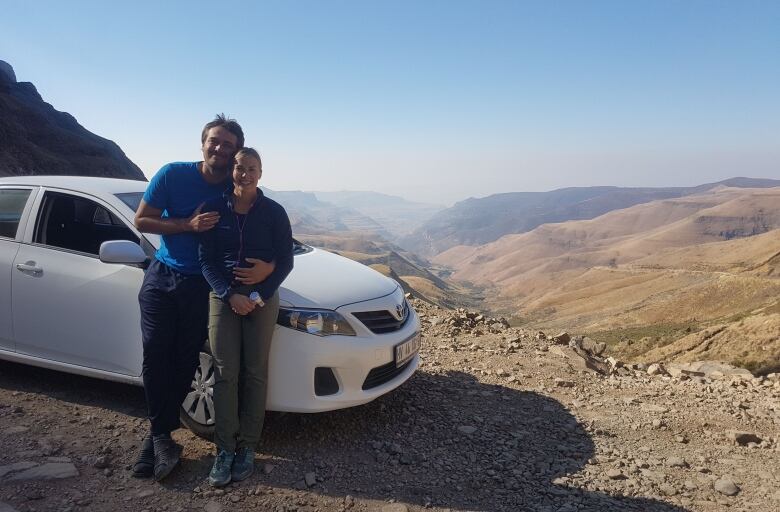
point(322, 279)
point(81, 315)
point(98, 328)
point(8, 250)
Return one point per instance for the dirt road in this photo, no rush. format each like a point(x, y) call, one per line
point(492, 421)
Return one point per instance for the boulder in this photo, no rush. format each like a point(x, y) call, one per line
point(580, 360)
point(725, 485)
point(743, 438)
point(591, 346)
point(678, 370)
point(708, 369)
point(656, 369)
point(16, 466)
point(48, 471)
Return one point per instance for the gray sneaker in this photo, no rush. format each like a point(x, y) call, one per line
point(220, 472)
point(243, 464)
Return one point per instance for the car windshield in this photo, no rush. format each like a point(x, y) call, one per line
point(300, 248)
point(131, 199)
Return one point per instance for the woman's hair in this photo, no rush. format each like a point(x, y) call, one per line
point(249, 152)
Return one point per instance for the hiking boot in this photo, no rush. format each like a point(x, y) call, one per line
point(243, 464)
point(144, 463)
point(220, 471)
point(166, 456)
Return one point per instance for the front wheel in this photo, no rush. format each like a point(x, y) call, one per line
point(197, 410)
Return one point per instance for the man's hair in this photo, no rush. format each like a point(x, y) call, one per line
point(230, 125)
point(249, 152)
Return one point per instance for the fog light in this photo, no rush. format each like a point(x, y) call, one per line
point(325, 382)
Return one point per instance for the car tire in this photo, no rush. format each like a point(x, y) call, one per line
point(197, 411)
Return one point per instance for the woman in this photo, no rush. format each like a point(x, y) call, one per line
point(245, 258)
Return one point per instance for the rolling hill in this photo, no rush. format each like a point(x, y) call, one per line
point(476, 222)
point(648, 275)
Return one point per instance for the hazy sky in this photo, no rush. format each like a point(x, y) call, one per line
point(432, 100)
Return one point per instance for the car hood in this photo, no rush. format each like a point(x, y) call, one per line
point(321, 279)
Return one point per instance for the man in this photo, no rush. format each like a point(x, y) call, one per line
point(174, 294)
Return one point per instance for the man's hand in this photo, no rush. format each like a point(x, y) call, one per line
point(148, 219)
point(241, 304)
point(200, 222)
point(257, 273)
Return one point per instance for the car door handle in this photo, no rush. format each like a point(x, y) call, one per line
point(29, 267)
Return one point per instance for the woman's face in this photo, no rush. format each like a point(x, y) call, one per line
point(246, 171)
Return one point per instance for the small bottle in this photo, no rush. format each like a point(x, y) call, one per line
point(257, 299)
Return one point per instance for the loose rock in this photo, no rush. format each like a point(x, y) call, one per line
point(725, 485)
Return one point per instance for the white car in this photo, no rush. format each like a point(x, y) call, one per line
point(71, 265)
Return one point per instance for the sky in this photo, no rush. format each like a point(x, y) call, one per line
point(435, 101)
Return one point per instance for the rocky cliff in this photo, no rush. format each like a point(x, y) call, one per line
point(37, 139)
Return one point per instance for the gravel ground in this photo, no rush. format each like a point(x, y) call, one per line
point(493, 420)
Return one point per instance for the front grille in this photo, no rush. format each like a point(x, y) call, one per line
point(384, 373)
point(382, 322)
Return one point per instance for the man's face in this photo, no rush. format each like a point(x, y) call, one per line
point(219, 148)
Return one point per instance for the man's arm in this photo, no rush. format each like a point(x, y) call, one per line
point(257, 273)
point(148, 219)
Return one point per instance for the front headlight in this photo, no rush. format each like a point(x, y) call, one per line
point(320, 322)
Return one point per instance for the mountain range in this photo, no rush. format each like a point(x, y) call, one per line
point(484, 220)
point(644, 276)
point(397, 215)
point(37, 139)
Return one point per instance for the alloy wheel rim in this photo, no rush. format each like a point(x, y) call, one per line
point(199, 402)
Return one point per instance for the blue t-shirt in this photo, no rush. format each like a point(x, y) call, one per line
point(178, 189)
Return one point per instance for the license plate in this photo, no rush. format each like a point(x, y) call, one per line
point(406, 350)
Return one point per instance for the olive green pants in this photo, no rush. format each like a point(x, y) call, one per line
point(240, 346)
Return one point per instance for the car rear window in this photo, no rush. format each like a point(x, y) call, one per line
point(12, 203)
point(131, 199)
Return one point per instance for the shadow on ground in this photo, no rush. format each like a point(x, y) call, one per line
point(416, 446)
point(443, 440)
point(75, 389)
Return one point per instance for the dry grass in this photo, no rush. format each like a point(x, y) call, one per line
point(752, 342)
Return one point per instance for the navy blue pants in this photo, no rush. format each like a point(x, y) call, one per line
point(174, 319)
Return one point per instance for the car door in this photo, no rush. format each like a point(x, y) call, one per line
point(14, 207)
point(68, 306)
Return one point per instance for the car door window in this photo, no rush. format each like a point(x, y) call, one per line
point(12, 202)
point(78, 224)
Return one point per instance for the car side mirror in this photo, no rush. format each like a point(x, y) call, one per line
point(122, 251)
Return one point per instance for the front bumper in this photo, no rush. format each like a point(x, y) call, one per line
point(295, 355)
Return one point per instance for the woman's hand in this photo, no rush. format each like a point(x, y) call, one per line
point(241, 304)
point(257, 273)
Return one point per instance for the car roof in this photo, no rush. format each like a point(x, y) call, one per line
point(88, 184)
